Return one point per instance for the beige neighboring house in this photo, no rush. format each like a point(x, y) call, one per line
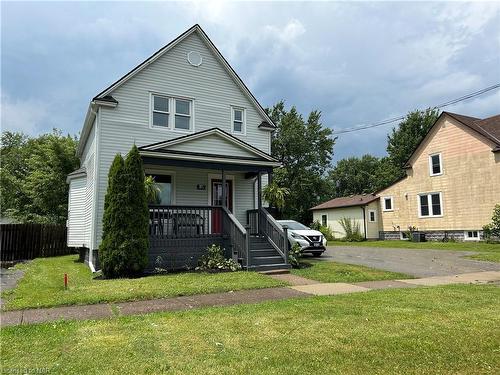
point(451, 186)
point(362, 209)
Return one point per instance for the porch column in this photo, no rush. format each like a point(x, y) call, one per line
point(259, 190)
point(223, 173)
point(224, 193)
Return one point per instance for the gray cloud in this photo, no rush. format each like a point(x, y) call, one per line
point(356, 62)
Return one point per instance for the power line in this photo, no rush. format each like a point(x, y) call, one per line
point(399, 118)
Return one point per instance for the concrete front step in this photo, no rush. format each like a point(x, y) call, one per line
point(271, 267)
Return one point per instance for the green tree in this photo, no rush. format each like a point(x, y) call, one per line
point(305, 148)
point(355, 175)
point(125, 241)
point(33, 176)
point(404, 139)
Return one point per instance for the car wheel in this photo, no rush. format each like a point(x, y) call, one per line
point(317, 253)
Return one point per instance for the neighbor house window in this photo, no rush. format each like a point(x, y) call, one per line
point(324, 220)
point(160, 111)
point(435, 165)
point(164, 184)
point(388, 204)
point(372, 217)
point(471, 235)
point(430, 205)
point(238, 119)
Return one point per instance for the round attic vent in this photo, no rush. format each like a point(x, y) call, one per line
point(194, 58)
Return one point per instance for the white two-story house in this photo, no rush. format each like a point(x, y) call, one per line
point(207, 142)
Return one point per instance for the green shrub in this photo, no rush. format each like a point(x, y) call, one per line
point(351, 229)
point(125, 244)
point(491, 232)
point(214, 260)
point(294, 255)
point(325, 231)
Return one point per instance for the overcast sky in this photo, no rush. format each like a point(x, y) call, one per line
point(356, 62)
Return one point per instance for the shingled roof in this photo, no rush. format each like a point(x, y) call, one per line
point(488, 127)
point(350, 201)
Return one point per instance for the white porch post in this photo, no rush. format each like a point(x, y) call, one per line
point(259, 190)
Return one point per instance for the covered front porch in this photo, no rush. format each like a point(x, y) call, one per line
point(207, 200)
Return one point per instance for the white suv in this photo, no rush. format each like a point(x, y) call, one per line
point(309, 240)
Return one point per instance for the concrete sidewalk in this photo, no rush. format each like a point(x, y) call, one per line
point(302, 288)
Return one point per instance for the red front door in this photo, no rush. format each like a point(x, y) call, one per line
point(217, 201)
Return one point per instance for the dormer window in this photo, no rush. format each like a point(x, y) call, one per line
point(238, 120)
point(435, 165)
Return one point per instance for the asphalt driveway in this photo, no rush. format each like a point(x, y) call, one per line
point(419, 263)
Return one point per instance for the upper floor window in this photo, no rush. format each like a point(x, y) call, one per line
point(388, 204)
point(182, 114)
point(160, 111)
point(171, 113)
point(430, 205)
point(435, 165)
point(238, 120)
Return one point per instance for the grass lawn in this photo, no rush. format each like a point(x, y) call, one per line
point(445, 330)
point(331, 272)
point(43, 285)
point(488, 252)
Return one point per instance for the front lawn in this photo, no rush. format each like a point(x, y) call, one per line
point(488, 252)
point(331, 272)
point(445, 330)
point(43, 285)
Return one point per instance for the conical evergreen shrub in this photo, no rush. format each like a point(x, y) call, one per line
point(136, 241)
point(114, 210)
point(125, 242)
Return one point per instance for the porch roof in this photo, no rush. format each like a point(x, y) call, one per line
point(207, 161)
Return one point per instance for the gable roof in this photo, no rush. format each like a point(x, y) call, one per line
point(350, 201)
point(254, 153)
point(489, 128)
point(194, 29)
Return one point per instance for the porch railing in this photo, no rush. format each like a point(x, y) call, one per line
point(278, 237)
point(237, 235)
point(253, 221)
point(261, 223)
point(185, 221)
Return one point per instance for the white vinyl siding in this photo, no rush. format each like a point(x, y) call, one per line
point(76, 212)
point(211, 90)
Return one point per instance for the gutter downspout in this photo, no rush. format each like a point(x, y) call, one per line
point(364, 219)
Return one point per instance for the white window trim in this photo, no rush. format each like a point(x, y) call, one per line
point(467, 238)
point(429, 201)
point(164, 172)
point(392, 204)
point(243, 122)
point(374, 216)
point(440, 164)
point(171, 114)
